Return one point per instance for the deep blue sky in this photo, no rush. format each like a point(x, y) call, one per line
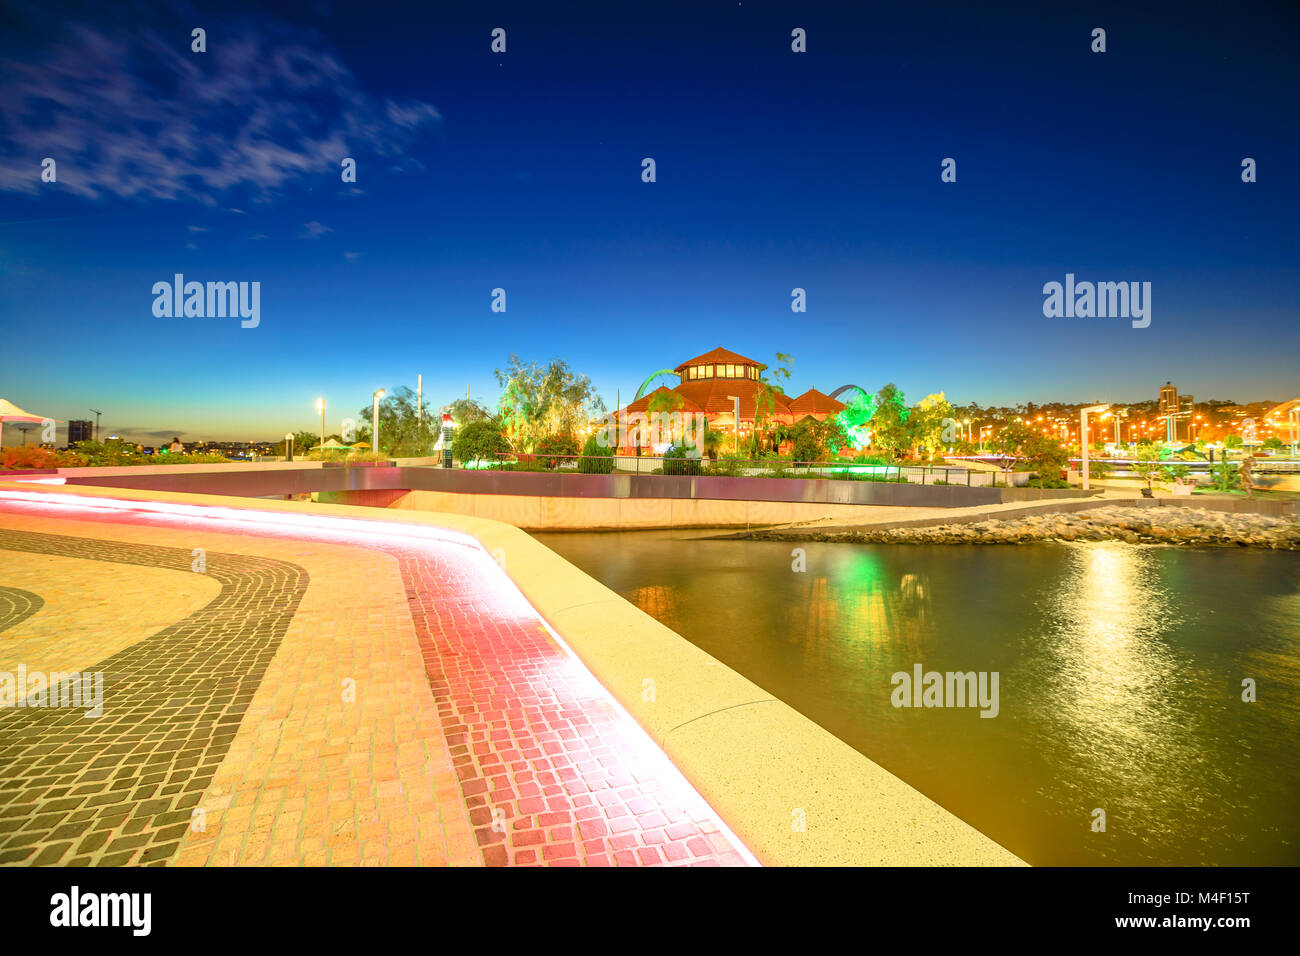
point(522, 171)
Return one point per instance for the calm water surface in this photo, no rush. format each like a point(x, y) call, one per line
point(1121, 670)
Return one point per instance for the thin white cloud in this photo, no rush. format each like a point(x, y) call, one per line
point(313, 230)
point(138, 115)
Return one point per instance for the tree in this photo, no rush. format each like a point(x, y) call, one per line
point(927, 421)
point(765, 400)
point(463, 411)
point(304, 442)
point(889, 428)
point(1046, 456)
point(1274, 443)
point(1149, 463)
point(406, 428)
point(478, 441)
point(537, 401)
point(817, 440)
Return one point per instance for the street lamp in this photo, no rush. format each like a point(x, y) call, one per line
point(320, 407)
point(374, 425)
point(1083, 436)
point(735, 405)
point(983, 429)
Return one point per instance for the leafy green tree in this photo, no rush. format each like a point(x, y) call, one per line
point(1046, 456)
point(478, 441)
point(1274, 443)
point(1149, 463)
point(537, 401)
point(406, 427)
point(808, 444)
point(1233, 441)
point(463, 411)
point(304, 442)
point(890, 431)
point(765, 402)
point(926, 421)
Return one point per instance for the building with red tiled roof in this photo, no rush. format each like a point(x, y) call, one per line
point(711, 383)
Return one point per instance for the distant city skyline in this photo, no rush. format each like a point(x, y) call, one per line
point(775, 171)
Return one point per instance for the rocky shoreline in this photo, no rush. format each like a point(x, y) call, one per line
point(1194, 527)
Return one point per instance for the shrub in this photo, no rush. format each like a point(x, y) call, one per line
point(676, 462)
point(553, 450)
point(1225, 476)
point(478, 441)
point(34, 456)
point(728, 465)
point(597, 458)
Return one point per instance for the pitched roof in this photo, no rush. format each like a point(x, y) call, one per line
point(642, 404)
point(713, 396)
point(813, 402)
point(719, 355)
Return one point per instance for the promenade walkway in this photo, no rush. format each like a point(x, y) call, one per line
point(307, 692)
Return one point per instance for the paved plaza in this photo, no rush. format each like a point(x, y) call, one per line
point(310, 692)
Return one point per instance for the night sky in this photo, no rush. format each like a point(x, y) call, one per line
point(775, 170)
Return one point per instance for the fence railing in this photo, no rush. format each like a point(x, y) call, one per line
point(759, 468)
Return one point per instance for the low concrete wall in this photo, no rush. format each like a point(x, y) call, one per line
point(755, 759)
point(535, 513)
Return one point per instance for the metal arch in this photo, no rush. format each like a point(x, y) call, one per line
point(646, 384)
point(844, 388)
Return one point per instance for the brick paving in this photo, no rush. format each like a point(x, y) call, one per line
point(540, 767)
point(17, 605)
point(119, 788)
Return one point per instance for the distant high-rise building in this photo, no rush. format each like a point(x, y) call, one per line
point(80, 430)
point(1168, 399)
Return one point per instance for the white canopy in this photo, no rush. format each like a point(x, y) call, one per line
point(9, 412)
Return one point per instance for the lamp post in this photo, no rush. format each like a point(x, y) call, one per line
point(374, 424)
point(1083, 437)
point(288, 446)
point(735, 404)
point(320, 407)
point(1293, 416)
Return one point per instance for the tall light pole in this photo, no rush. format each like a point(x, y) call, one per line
point(97, 414)
point(735, 404)
point(1083, 436)
point(320, 407)
point(374, 426)
point(1293, 416)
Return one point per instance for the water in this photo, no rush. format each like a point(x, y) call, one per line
point(1120, 677)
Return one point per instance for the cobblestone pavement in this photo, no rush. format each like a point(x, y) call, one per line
point(344, 699)
point(17, 605)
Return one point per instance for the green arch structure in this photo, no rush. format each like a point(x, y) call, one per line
point(646, 384)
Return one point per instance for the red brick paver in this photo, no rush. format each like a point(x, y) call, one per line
point(551, 770)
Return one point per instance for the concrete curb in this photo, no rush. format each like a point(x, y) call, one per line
point(758, 762)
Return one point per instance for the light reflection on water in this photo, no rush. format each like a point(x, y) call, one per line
point(1121, 670)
